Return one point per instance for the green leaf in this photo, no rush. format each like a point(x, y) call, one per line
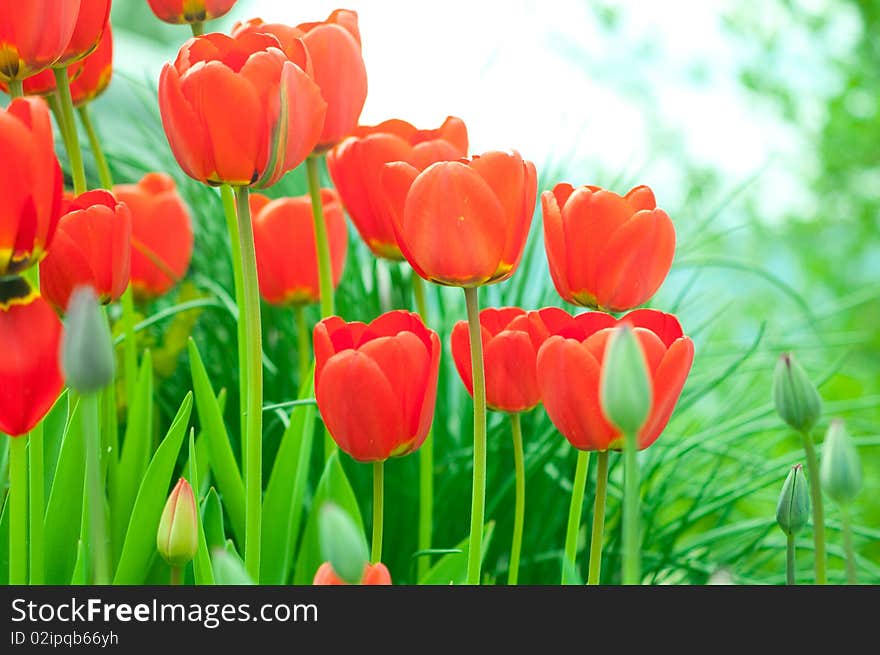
point(333, 486)
point(202, 572)
point(4, 541)
point(54, 429)
point(140, 538)
point(64, 509)
point(223, 464)
point(284, 498)
point(228, 568)
point(212, 519)
point(80, 571)
point(452, 568)
point(127, 473)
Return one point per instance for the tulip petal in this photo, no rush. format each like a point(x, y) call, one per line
point(397, 180)
point(554, 244)
point(511, 376)
point(669, 379)
point(665, 326)
point(184, 130)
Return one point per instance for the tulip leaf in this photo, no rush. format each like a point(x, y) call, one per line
point(140, 538)
point(4, 541)
point(452, 568)
point(54, 429)
point(80, 570)
point(228, 568)
point(64, 509)
point(212, 519)
point(202, 571)
point(127, 473)
point(223, 465)
point(284, 499)
point(333, 486)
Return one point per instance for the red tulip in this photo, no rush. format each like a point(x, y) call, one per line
point(43, 83)
point(161, 234)
point(606, 251)
point(479, 210)
point(30, 375)
point(284, 239)
point(34, 34)
point(96, 71)
point(31, 180)
point(91, 20)
point(189, 11)
point(278, 112)
point(376, 384)
point(511, 340)
point(569, 369)
point(374, 574)
point(92, 247)
point(334, 47)
point(357, 162)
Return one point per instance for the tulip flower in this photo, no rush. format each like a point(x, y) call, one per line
point(606, 251)
point(30, 374)
point(190, 11)
point(31, 179)
point(278, 117)
point(357, 162)
point(374, 574)
point(284, 237)
point(161, 234)
point(91, 21)
point(43, 83)
point(88, 361)
point(376, 384)
point(92, 247)
point(95, 73)
point(177, 538)
point(792, 514)
point(33, 36)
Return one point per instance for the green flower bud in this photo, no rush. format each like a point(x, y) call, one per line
point(793, 509)
point(796, 397)
point(87, 358)
point(342, 543)
point(625, 386)
point(178, 537)
point(840, 470)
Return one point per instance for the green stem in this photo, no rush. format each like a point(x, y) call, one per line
point(520, 502)
point(478, 491)
point(62, 82)
point(104, 174)
point(574, 515)
point(378, 510)
point(254, 418)
point(322, 246)
point(228, 198)
point(818, 510)
point(303, 349)
point(176, 576)
point(631, 557)
point(789, 559)
point(37, 504)
point(851, 576)
point(97, 523)
point(18, 511)
point(598, 534)
point(426, 457)
point(54, 102)
point(16, 88)
point(198, 28)
point(129, 346)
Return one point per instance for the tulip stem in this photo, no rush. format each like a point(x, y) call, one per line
point(228, 199)
point(478, 491)
point(129, 345)
point(198, 28)
point(818, 510)
point(322, 247)
point(97, 528)
point(16, 88)
point(789, 560)
point(62, 82)
point(18, 511)
point(426, 457)
point(104, 174)
point(378, 510)
point(598, 534)
point(254, 418)
point(303, 353)
point(851, 576)
point(36, 495)
point(520, 502)
point(176, 576)
point(575, 508)
point(631, 511)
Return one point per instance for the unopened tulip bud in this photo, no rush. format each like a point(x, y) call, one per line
point(87, 358)
point(840, 470)
point(342, 543)
point(796, 397)
point(793, 509)
point(625, 390)
point(177, 539)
